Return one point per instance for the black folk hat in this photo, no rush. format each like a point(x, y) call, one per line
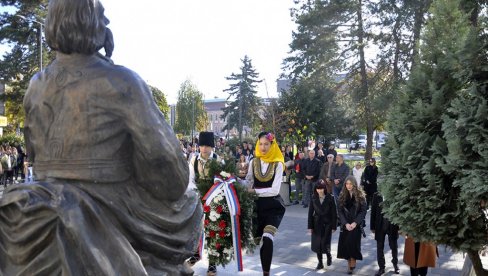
point(206, 139)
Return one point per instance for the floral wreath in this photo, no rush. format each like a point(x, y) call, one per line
point(218, 225)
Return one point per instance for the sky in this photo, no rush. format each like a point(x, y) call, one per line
point(168, 42)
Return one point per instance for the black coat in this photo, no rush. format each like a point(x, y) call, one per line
point(322, 219)
point(350, 241)
point(370, 178)
point(379, 223)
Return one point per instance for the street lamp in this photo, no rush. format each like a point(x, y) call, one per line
point(41, 25)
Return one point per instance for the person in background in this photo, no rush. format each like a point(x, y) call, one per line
point(311, 169)
point(357, 172)
point(264, 178)
point(326, 172)
point(381, 226)
point(322, 222)
point(339, 174)
point(352, 211)
point(321, 156)
point(289, 152)
point(370, 180)
point(299, 177)
point(242, 167)
point(331, 150)
point(419, 256)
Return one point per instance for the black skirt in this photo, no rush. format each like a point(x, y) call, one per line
point(270, 211)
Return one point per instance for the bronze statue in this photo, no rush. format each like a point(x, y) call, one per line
point(110, 196)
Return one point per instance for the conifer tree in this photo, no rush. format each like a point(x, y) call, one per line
point(242, 102)
point(436, 158)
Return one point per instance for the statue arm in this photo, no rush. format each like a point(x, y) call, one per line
point(159, 164)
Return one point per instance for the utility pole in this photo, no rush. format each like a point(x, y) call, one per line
point(240, 112)
point(192, 116)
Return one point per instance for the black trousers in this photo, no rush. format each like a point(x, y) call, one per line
point(419, 271)
point(380, 245)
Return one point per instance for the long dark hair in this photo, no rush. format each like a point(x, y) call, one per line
point(76, 26)
point(357, 192)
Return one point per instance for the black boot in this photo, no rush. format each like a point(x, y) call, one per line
point(320, 265)
point(397, 270)
point(212, 270)
point(380, 272)
point(329, 259)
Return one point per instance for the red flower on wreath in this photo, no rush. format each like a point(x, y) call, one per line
point(206, 208)
point(217, 246)
point(270, 136)
point(220, 209)
point(206, 222)
point(211, 234)
point(222, 234)
point(222, 224)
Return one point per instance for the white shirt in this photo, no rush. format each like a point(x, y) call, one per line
point(357, 174)
point(192, 183)
point(274, 190)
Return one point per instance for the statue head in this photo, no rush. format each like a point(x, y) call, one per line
point(76, 26)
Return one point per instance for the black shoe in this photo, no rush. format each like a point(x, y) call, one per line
point(380, 272)
point(212, 270)
point(397, 270)
point(350, 270)
point(192, 261)
point(320, 266)
point(329, 260)
point(305, 206)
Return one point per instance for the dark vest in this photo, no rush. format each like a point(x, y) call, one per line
point(195, 165)
point(265, 180)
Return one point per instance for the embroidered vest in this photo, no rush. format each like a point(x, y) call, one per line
point(196, 166)
point(263, 180)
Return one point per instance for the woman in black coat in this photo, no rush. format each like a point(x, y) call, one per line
point(322, 222)
point(352, 211)
point(370, 180)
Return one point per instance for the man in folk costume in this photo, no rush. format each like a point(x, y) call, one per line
point(264, 178)
point(199, 169)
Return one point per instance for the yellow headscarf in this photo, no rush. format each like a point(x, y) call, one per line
point(273, 155)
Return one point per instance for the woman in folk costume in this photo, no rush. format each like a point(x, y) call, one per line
point(264, 178)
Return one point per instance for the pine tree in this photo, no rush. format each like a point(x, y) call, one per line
point(20, 31)
point(242, 102)
point(436, 158)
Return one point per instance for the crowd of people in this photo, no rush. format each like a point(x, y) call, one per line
point(336, 197)
point(13, 164)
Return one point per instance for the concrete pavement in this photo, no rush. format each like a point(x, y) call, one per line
point(292, 254)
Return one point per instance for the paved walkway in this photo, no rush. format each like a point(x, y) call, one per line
point(293, 257)
point(292, 254)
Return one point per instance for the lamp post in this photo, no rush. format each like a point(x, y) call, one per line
point(41, 25)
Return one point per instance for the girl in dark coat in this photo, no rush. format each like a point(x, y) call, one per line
point(322, 222)
point(370, 179)
point(352, 211)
